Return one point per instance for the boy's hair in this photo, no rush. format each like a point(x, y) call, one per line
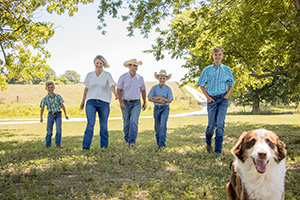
point(49, 83)
point(102, 59)
point(217, 49)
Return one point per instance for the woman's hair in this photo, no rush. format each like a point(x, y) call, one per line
point(102, 59)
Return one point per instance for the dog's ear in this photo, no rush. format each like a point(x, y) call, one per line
point(281, 152)
point(238, 149)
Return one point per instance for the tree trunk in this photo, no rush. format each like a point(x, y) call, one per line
point(255, 106)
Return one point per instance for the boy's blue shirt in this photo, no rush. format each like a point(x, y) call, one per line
point(216, 79)
point(164, 91)
point(53, 103)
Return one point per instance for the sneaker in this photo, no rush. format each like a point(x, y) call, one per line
point(218, 154)
point(59, 146)
point(209, 148)
point(162, 147)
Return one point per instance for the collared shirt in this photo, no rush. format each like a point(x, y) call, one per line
point(53, 103)
point(164, 91)
point(216, 79)
point(99, 86)
point(131, 87)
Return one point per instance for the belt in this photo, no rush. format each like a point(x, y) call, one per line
point(163, 106)
point(219, 95)
point(129, 101)
point(56, 113)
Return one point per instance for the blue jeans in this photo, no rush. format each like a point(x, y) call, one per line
point(50, 122)
point(216, 119)
point(102, 107)
point(131, 116)
point(161, 116)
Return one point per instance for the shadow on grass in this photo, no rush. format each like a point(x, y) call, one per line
point(184, 170)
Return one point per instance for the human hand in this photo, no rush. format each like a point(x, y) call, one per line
point(122, 105)
point(82, 105)
point(41, 120)
point(209, 99)
point(144, 106)
point(67, 117)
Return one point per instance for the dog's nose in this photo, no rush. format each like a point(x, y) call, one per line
point(262, 155)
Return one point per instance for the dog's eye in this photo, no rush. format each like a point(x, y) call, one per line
point(250, 143)
point(271, 144)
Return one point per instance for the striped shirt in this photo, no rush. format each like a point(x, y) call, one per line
point(131, 86)
point(216, 79)
point(164, 91)
point(53, 103)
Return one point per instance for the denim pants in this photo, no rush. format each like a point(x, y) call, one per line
point(103, 109)
point(50, 122)
point(161, 116)
point(131, 116)
point(216, 119)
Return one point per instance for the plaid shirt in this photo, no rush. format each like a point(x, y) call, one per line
point(53, 103)
point(216, 79)
point(164, 91)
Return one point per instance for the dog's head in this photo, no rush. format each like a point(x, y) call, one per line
point(260, 146)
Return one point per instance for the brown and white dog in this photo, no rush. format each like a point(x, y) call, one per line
point(258, 171)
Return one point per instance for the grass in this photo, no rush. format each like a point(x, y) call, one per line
point(22, 101)
point(184, 170)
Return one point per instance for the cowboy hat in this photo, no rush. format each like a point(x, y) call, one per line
point(132, 61)
point(162, 73)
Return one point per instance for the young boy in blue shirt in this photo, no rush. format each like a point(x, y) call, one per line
point(161, 95)
point(54, 103)
point(216, 78)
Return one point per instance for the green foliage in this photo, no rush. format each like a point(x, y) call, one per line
point(260, 38)
point(184, 170)
point(71, 76)
point(23, 40)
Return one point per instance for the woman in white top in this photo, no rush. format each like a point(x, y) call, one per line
point(98, 87)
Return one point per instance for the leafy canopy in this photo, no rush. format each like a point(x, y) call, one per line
point(23, 39)
point(260, 37)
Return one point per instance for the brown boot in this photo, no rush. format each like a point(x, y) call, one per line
point(209, 148)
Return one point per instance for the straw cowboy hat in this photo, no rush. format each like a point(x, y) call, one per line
point(162, 73)
point(132, 61)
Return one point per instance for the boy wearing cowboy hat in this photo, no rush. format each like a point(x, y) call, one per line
point(161, 95)
point(130, 87)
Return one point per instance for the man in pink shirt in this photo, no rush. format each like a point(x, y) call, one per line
point(130, 87)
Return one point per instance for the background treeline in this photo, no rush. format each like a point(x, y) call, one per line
point(69, 77)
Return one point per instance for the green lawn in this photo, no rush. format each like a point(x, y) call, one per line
point(184, 170)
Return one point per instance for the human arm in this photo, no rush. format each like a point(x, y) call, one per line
point(230, 88)
point(113, 89)
point(64, 109)
point(209, 99)
point(41, 114)
point(160, 100)
point(122, 105)
point(144, 99)
point(84, 97)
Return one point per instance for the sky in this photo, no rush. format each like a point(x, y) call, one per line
point(77, 41)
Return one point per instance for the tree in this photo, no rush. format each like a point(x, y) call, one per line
point(71, 76)
point(23, 40)
point(260, 37)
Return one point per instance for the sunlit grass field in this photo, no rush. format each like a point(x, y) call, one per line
point(22, 101)
point(184, 170)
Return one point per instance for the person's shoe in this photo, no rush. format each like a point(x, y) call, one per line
point(162, 147)
point(209, 148)
point(131, 145)
point(85, 149)
point(218, 154)
point(59, 146)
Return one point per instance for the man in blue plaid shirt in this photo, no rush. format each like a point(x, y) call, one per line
point(216, 78)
